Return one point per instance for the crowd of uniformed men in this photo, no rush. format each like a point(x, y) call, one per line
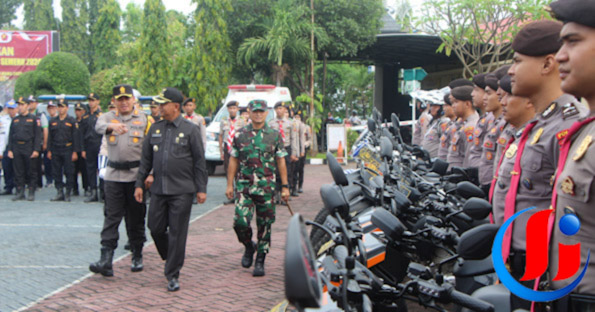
point(523, 134)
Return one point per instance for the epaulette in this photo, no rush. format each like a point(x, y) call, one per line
point(569, 109)
point(548, 112)
point(86, 116)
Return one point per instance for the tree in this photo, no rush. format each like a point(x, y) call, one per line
point(104, 81)
point(7, 10)
point(180, 43)
point(73, 29)
point(211, 59)
point(132, 19)
point(154, 61)
point(39, 15)
point(478, 32)
point(105, 36)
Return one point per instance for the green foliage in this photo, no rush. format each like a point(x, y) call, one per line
point(180, 51)
point(7, 10)
point(132, 19)
point(39, 15)
point(211, 59)
point(105, 35)
point(351, 137)
point(351, 25)
point(73, 29)
point(314, 120)
point(57, 73)
point(102, 82)
point(153, 65)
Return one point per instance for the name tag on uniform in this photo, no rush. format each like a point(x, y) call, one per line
point(156, 135)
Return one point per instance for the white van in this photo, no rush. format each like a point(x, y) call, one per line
point(243, 94)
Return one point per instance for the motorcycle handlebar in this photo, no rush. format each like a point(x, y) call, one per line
point(469, 302)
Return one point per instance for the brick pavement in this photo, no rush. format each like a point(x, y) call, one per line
point(211, 279)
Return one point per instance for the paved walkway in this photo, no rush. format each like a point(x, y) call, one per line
point(212, 278)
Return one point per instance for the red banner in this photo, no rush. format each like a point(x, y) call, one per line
point(21, 51)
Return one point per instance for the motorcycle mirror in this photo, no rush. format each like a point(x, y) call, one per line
point(467, 190)
point(333, 201)
point(376, 114)
point(386, 148)
point(403, 203)
point(477, 208)
point(391, 138)
point(476, 243)
point(377, 182)
point(439, 166)
point(336, 171)
point(395, 120)
point(371, 125)
point(388, 223)
point(302, 281)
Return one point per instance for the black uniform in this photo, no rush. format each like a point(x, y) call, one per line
point(174, 150)
point(63, 140)
point(25, 137)
point(90, 145)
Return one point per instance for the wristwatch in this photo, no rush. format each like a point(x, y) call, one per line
point(285, 185)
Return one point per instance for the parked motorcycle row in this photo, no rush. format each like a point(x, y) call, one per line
point(401, 227)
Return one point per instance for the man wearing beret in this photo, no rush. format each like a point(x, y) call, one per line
point(291, 142)
point(90, 145)
point(462, 139)
point(173, 153)
point(530, 162)
point(451, 128)
point(189, 106)
point(574, 189)
point(63, 146)
point(125, 130)
point(486, 131)
point(229, 126)
point(485, 121)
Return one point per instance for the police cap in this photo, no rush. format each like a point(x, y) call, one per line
point(462, 93)
point(506, 84)
point(576, 11)
point(479, 81)
point(491, 81)
point(52, 104)
point(122, 90)
point(169, 95)
point(32, 99)
point(64, 102)
point(538, 38)
point(78, 106)
point(93, 96)
point(188, 100)
point(279, 104)
point(22, 100)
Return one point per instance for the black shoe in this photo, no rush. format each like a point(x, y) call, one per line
point(59, 195)
point(92, 197)
point(31, 195)
point(20, 194)
point(173, 284)
point(259, 265)
point(104, 265)
point(229, 201)
point(75, 192)
point(300, 190)
point(294, 193)
point(67, 195)
point(127, 246)
point(137, 258)
point(6, 192)
point(248, 256)
point(87, 192)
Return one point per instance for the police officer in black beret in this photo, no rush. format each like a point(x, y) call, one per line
point(174, 151)
point(63, 146)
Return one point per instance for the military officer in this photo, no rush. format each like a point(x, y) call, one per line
point(5, 120)
point(257, 152)
point(90, 144)
point(486, 139)
point(451, 127)
point(574, 190)
point(174, 151)
point(462, 139)
point(438, 125)
point(189, 106)
point(125, 129)
point(530, 162)
point(290, 138)
point(63, 146)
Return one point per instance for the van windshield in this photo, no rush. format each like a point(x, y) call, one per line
point(224, 113)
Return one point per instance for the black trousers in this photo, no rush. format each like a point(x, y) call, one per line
point(91, 164)
point(47, 167)
point(298, 172)
point(169, 217)
point(289, 165)
point(120, 203)
point(25, 167)
point(62, 165)
point(8, 172)
point(40, 172)
point(80, 166)
point(517, 261)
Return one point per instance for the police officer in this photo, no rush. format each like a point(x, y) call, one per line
point(462, 139)
point(422, 123)
point(305, 141)
point(574, 191)
point(24, 147)
point(530, 162)
point(290, 139)
point(90, 145)
point(257, 152)
point(5, 120)
point(228, 128)
point(438, 125)
point(485, 120)
point(125, 129)
point(174, 150)
point(44, 129)
point(489, 130)
point(451, 128)
point(189, 106)
point(52, 111)
point(63, 146)
point(155, 111)
point(80, 166)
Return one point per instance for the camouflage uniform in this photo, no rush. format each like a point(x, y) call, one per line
point(256, 151)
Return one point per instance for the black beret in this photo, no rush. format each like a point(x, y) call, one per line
point(447, 99)
point(577, 11)
point(232, 103)
point(279, 104)
point(506, 84)
point(501, 71)
point(491, 81)
point(478, 80)
point(460, 82)
point(462, 93)
point(188, 100)
point(538, 38)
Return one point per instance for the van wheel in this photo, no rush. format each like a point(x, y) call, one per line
point(211, 168)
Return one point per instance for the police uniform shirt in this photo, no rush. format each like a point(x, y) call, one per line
point(576, 194)
point(174, 151)
point(87, 129)
point(301, 135)
point(24, 131)
point(421, 127)
point(461, 142)
point(488, 151)
point(125, 147)
point(308, 135)
point(5, 122)
point(539, 161)
point(452, 127)
point(225, 125)
point(506, 134)
point(63, 134)
point(479, 133)
point(200, 122)
point(291, 134)
point(431, 141)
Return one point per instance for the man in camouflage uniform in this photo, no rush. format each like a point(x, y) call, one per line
point(257, 152)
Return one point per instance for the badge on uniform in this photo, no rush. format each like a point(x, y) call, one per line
point(568, 186)
point(158, 131)
point(569, 110)
point(489, 156)
point(476, 141)
point(527, 183)
point(181, 135)
point(511, 151)
point(155, 148)
point(549, 111)
point(177, 140)
point(112, 138)
point(582, 149)
point(135, 140)
point(454, 148)
point(537, 136)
